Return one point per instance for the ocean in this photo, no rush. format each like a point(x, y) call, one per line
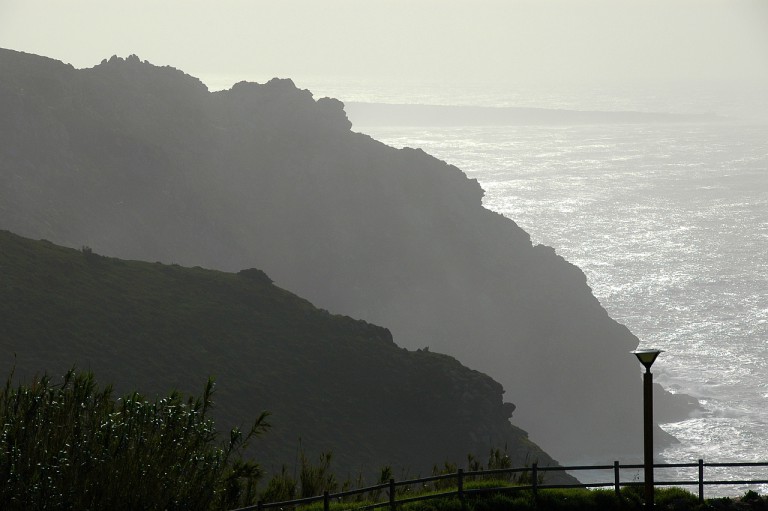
point(670, 225)
point(668, 221)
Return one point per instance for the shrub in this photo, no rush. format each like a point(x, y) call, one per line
point(522, 501)
point(316, 479)
point(675, 499)
point(566, 500)
point(438, 504)
point(280, 488)
point(73, 446)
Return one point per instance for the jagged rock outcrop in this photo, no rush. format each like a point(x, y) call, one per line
point(143, 162)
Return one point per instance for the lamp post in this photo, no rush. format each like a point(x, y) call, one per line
point(647, 358)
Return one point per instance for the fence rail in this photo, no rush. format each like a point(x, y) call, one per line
point(533, 476)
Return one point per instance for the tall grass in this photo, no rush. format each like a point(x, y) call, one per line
point(73, 445)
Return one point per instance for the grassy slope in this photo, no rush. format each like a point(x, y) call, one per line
point(335, 383)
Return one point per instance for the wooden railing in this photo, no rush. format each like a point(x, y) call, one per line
point(397, 492)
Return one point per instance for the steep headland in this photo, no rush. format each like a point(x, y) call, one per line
point(332, 383)
point(142, 162)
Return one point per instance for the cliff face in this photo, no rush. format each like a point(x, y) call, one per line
point(143, 162)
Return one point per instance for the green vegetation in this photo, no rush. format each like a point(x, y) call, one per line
point(491, 492)
point(72, 445)
point(509, 499)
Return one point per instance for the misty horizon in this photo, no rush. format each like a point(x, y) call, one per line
point(649, 232)
point(678, 56)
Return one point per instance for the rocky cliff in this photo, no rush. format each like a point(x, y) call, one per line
point(143, 162)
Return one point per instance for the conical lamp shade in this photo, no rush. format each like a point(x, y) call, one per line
point(647, 357)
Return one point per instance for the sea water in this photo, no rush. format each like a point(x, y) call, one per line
point(669, 222)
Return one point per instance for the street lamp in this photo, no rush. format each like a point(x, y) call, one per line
point(647, 358)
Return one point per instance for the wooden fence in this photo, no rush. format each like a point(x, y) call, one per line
point(401, 492)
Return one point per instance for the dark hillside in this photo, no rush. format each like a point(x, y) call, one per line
point(142, 162)
point(336, 383)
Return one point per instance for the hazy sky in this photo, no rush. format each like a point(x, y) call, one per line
point(559, 43)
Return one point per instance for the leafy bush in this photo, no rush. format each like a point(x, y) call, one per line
point(577, 500)
point(633, 496)
point(281, 487)
point(73, 446)
point(439, 504)
point(316, 479)
point(675, 499)
point(522, 501)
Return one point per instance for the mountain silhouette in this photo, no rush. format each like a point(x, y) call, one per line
point(143, 162)
point(331, 383)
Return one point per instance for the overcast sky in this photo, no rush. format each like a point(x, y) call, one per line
point(556, 42)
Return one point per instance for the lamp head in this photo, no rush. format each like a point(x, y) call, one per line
point(647, 357)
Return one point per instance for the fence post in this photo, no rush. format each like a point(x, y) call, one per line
point(701, 480)
point(260, 506)
point(535, 479)
point(392, 500)
point(326, 501)
point(616, 479)
point(460, 483)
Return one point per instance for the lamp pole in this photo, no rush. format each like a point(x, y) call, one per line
point(647, 357)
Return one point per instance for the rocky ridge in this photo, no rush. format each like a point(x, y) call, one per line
point(143, 162)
